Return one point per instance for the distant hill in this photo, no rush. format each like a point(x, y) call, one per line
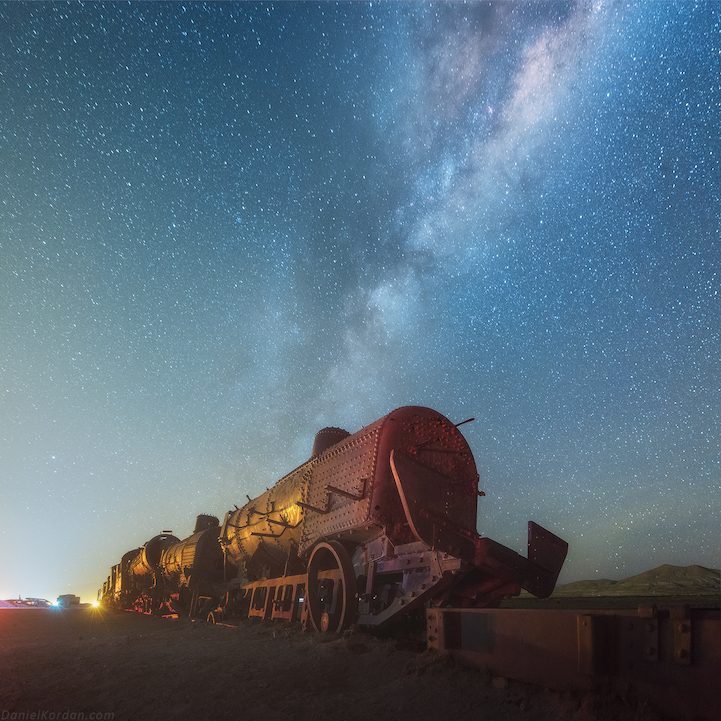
point(665, 580)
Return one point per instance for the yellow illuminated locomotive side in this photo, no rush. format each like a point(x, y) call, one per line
point(373, 525)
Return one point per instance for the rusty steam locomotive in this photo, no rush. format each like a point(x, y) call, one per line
point(372, 526)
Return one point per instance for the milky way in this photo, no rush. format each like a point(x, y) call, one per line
point(225, 226)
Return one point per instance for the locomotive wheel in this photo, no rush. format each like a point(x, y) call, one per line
point(331, 592)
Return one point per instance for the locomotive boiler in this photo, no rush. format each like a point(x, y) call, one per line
point(373, 525)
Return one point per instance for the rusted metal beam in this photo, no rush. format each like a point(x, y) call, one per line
point(671, 657)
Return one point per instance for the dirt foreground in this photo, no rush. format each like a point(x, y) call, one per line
point(88, 664)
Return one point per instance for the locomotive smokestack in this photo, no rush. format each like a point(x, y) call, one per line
point(327, 437)
point(203, 521)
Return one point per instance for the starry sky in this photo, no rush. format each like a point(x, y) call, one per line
point(225, 226)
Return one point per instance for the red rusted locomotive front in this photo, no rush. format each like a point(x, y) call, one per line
point(353, 491)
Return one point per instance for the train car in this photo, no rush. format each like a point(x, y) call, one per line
point(132, 583)
point(374, 525)
point(190, 572)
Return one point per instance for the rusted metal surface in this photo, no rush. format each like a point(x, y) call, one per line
point(340, 492)
point(198, 557)
point(260, 537)
point(672, 657)
point(392, 509)
point(148, 559)
point(400, 497)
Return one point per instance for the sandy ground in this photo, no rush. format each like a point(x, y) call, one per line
point(77, 662)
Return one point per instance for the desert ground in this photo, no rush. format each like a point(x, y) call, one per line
point(85, 663)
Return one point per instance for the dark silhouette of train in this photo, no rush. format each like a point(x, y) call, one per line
point(372, 526)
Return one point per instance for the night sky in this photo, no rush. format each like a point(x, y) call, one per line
point(225, 226)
